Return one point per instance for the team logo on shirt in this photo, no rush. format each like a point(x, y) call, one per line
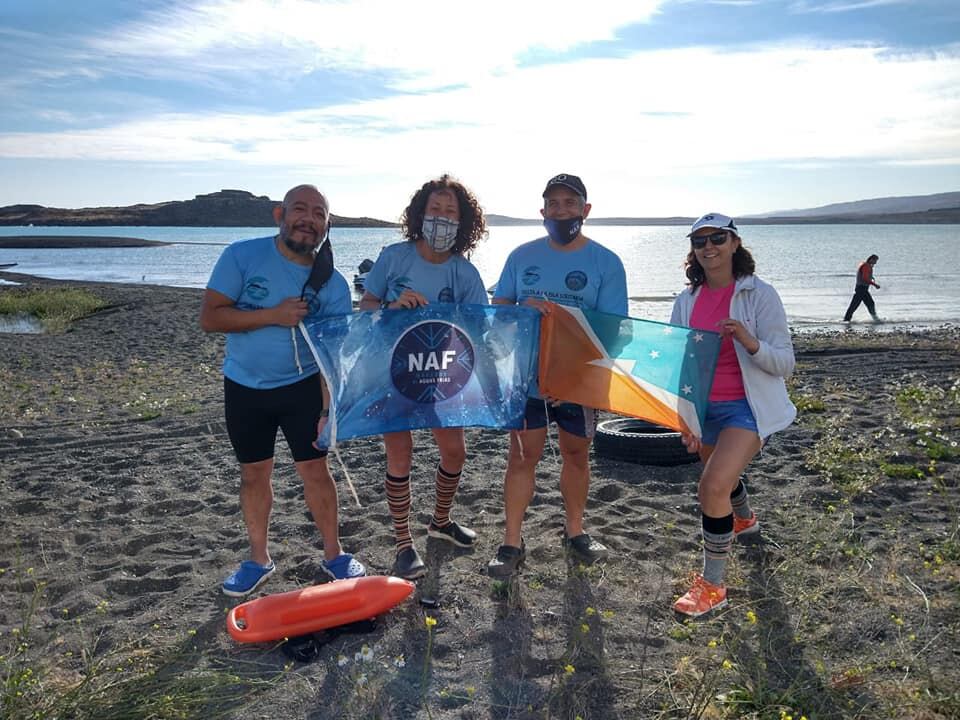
point(257, 288)
point(446, 295)
point(432, 361)
point(576, 280)
point(531, 275)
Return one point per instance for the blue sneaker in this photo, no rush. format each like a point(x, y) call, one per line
point(248, 578)
point(343, 567)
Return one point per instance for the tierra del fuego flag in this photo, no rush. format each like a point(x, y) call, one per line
point(649, 370)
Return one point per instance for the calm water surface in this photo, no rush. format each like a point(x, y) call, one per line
point(812, 266)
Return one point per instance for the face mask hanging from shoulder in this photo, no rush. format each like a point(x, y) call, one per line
point(322, 268)
point(320, 273)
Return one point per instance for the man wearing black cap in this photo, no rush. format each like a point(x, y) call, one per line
point(568, 268)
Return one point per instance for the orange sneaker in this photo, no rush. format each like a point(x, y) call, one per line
point(702, 598)
point(746, 526)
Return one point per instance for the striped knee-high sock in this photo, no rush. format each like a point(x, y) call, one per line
point(740, 500)
point(717, 539)
point(446, 490)
point(398, 500)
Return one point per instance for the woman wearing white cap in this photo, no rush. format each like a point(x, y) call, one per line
point(748, 400)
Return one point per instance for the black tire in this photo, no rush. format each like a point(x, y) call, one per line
point(641, 442)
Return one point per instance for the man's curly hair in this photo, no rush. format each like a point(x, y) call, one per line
point(473, 226)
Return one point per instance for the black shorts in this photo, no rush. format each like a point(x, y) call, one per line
point(253, 417)
point(575, 419)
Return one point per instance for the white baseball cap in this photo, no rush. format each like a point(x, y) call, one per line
point(715, 220)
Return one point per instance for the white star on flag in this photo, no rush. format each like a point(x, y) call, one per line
point(687, 389)
point(698, 337)
point(667, 330)
point(654, 354)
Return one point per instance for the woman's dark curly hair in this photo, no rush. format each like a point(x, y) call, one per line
point(743, 264)
point(473, 226)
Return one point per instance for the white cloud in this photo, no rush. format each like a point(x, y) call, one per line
point(428, 43)
point(627, 125)
point(838, 6)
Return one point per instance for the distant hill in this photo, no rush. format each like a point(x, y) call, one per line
point(941, 208)
point(227, 208)
point(947, 216)
point(877, 206)
point(494, 219)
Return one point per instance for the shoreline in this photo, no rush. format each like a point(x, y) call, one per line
point(60, 242)
point(806, 329)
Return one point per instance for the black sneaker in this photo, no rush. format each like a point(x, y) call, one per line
point(408, 565)
point(453, 533)
point(585, 548)
point(508, 561)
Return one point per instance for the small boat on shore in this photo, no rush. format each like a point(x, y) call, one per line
point(4, 266)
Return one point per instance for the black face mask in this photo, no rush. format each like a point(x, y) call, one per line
point(563, 232)
point(322, 267)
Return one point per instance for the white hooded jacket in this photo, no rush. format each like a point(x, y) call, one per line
point(757, 306)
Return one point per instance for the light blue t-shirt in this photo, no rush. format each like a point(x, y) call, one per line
point(591, 278)
point(255, 275)
point(400, 267)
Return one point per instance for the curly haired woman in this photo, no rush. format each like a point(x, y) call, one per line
point(442, 224)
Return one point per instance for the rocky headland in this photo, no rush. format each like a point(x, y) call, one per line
point(227, 208)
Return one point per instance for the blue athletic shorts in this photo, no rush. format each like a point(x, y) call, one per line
point(253, 417)
point(575, 419)
point(724, 414)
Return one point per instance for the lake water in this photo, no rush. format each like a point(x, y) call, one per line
point(812, 266)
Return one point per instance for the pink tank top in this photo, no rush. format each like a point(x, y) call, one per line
point(710, 308)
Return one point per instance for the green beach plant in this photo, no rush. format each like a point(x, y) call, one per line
point(55, 308)
point(851, 463)
point(134, 680)
point(807, 403)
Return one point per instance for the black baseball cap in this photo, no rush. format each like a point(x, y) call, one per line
point(568, 181)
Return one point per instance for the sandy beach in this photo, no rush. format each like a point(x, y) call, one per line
point(118, 496)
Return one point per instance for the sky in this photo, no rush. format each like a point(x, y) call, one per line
point(662, 107)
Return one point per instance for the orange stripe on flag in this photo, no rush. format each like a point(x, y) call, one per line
point(567, 373)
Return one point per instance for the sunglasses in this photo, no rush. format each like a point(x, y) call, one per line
point(717, 238)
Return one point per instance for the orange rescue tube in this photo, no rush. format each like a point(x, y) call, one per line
point(299, 612)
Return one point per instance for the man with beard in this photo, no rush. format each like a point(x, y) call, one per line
point(257, 294)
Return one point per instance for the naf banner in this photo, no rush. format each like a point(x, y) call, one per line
point(442, 365)
point(649, 370)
